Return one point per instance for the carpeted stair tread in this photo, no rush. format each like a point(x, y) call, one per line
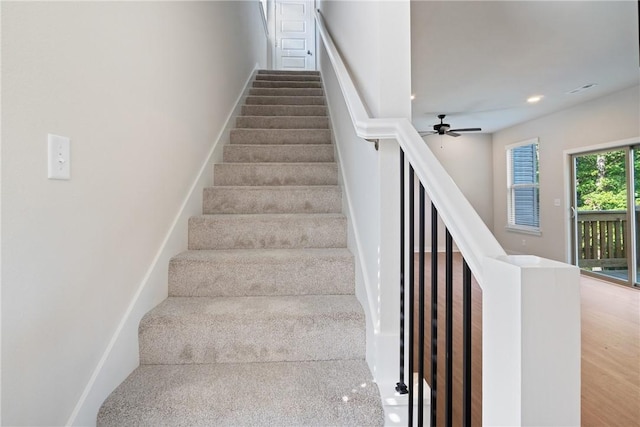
point(287, 91)
point(285, 100)
point(283, 122)
point(267, 231)
point(286, 84)
point(250, 153)
point(280, 136)
point(253, 174)
point(331, 393)
point(284, 110)
point(272, 199)
point(253, 272)
point(184, 330)
point(289, 77)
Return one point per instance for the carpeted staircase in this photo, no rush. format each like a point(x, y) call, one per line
point(261, 326)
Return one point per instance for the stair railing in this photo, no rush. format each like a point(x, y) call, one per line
point(516, 373)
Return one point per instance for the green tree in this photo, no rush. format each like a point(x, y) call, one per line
point(601, 182)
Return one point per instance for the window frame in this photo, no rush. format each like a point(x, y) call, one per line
point(511, 187)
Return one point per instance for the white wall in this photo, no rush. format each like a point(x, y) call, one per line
point(468, 159)
point(143, 89)
point(374, 40)
point(610, 118)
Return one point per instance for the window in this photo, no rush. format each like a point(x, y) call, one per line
point(523, 186)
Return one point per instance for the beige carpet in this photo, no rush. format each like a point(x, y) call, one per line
point(261, 326)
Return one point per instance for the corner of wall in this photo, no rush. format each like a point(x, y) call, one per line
point(121, 355)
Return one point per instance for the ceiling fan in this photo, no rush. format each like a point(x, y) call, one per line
point(443, 128)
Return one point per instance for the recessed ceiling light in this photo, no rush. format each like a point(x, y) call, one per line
point(534, 99)
point(413, 96)
point(582, 88)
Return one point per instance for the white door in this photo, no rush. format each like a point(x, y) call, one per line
point(295, 45)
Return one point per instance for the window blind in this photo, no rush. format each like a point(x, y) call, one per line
point(524, 206)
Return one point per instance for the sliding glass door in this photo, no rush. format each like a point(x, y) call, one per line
point(635, 212)
point(605, 196)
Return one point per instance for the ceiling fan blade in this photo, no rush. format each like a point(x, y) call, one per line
point(450, 133)
point(426, 132)
point(466, 130)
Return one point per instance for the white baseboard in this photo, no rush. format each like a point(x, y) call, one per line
point(121, 356)
point(396, 406)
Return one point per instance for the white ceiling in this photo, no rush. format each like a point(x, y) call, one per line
point(478, 61)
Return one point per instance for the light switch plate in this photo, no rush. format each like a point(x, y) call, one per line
point(59, 160)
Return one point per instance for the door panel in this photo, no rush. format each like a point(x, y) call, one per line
point(295, 35)
point(635, 212)
point(604, 226)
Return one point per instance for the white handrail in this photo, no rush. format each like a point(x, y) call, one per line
point(263, 17)
point(470, 233)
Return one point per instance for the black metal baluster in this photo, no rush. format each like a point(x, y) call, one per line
point(466, 346)
point(434, 312)
point(411, 289)
point(401, 385)
point(449, 330)
point(421, 310)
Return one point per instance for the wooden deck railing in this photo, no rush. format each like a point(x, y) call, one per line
point(602, 239)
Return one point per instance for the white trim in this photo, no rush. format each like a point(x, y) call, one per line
point(602, 147)
point(511, 225)
point(568, 200)
point(533, 231)
point(534, 140)
point(271, 19)
point(262, 6)
point(195, 190)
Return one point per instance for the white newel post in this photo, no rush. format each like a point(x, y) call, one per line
point(531, 342)
point(387, 340)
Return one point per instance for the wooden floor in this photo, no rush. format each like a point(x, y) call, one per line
point(610, 350)
point(476, 337)
point(610, 354)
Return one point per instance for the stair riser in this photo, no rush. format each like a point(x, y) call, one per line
point(288, 77)
point(284, 110)
point(224, 342)
point(286, 84)
point(229, 200)
point(289, 72)
point(235, 153)
point(283, 122)
point(285, 100)
point(280, 136)
point(253, 338)
point(253, 276)
point(257, 91)
point(275, 174)
point(287, 232)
